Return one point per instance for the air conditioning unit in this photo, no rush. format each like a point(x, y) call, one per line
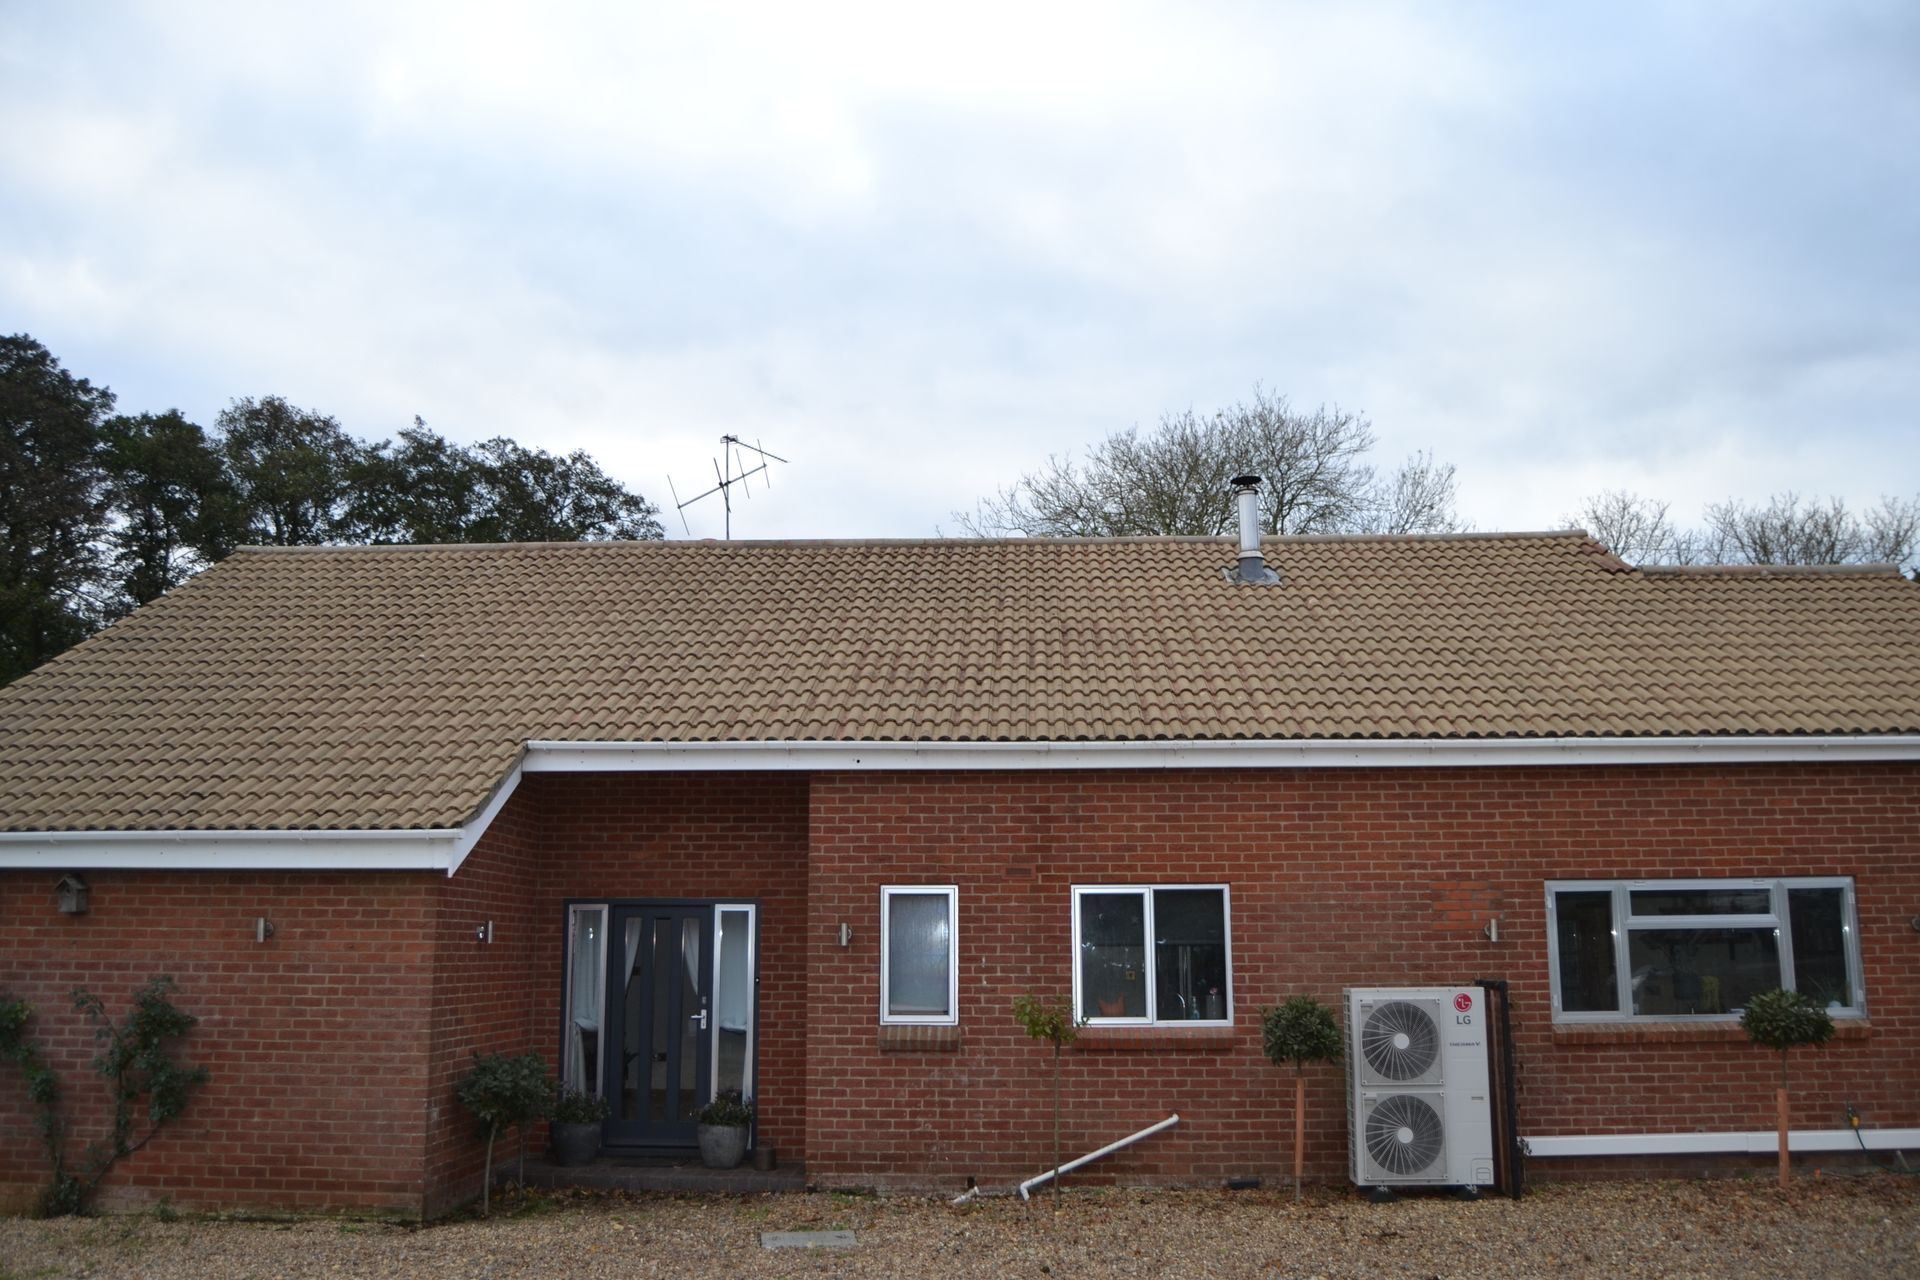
point(1419, 1098)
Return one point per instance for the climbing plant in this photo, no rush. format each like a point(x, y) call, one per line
point(137, 1059)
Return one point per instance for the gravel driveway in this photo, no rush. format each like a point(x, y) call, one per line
point(1866, 1226)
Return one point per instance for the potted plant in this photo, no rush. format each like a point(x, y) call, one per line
point(574, 1122)
point(1781, 1019)
point(723, 1130)
point(1300, 1031)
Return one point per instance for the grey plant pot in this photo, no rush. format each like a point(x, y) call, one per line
point(722, 1146)
point(575, 1144)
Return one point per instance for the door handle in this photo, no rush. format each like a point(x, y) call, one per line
point(700, 1017)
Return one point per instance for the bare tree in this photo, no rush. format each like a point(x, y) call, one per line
point(1636, 529)
point(1174, 480)
point(1785, 529)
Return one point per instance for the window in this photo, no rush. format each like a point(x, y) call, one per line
point(1671, 949)
point(919, 949)
point(1152, 954)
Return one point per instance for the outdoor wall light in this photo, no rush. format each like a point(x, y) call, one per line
point(1492, 929)
point(262, 929)
point(71, 893)
point(846, 934)
point(483, 933)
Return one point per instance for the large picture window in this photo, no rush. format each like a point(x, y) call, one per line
point(1152, 954)
point(919, 955)
point(1675, 949)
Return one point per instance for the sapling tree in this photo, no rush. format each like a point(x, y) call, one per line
point(1299, 1032)
point(503, 1092)
point(1052, 1021)
point(1782, 1020)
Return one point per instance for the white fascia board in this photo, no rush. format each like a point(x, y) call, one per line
point(1683, 1144)
point(1327, 753)
point(423, 850)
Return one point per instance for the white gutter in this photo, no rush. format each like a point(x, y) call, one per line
point(444, 849)
point(1027, 1186)
point(1756, 1143)
point(545, 756)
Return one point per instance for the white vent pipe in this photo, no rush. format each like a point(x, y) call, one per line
point(1253, 566)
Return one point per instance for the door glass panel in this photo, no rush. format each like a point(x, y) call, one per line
point(663, 943)
point(693, 1021)
point(587, 965)
point(1113, 955)
point(733, 1003)
point(1820, 946)
point(1701, 971)
point(633, 1060)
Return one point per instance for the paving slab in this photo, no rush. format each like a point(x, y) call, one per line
point(806, 1240)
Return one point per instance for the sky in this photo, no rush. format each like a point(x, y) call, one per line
point(917, 249)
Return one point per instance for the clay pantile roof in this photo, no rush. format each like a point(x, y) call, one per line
point(389, 687)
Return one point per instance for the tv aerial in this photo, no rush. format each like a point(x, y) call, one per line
point(731, 468)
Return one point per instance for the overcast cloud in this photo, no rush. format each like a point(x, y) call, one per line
point(1674, 248)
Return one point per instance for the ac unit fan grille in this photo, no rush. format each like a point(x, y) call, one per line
point(1400, 1041)
point(1404, 1134)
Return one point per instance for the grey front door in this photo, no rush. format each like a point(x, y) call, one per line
point(658, 1063)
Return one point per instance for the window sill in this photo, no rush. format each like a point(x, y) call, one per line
point(915, 1038)
point(1191, 1039)
point(1683, 1032)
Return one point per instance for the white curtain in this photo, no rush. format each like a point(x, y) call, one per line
point(586, 998)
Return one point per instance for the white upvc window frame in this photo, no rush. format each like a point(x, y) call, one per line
point(1777, 918)
point(570, 1044)
point(952, 894)
point(1152, 1017)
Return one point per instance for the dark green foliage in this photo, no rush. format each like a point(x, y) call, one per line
point(504, 1092)
point(289, 468)
point(729, 1110)
point(52, 505)
point(136, 1057)
point(1784, 1020)
point(575, 1106)
point(175, 509)
point(536, 496)
point(1300, 1031)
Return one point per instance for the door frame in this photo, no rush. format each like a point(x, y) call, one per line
point(751, 1063)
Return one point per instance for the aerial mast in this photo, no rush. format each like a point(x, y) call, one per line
point(729, 469)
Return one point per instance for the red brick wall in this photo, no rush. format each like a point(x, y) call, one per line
point(736, 836)
point(315, 1042)
point(483, 1000)
point(1339, 878)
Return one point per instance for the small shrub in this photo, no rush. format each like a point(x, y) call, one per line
point(575, 1106)
point(1782, 1020)
point(1052, 1021)
point(1299, 1032)
point(728, 1111)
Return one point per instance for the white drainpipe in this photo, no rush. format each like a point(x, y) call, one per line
point(1026, 1188)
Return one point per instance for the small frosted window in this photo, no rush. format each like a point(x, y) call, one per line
point(919, 946)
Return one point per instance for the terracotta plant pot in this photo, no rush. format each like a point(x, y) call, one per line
point(722, 1146)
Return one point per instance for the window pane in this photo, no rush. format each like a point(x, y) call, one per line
point(917, 955)
point(1686, 971)
point(1820, 945)
point(589, 968)
point(1190, 954)
point(1701, 902)
point(1589, 974)
point(1113, 955)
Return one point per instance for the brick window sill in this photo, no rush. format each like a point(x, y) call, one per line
point(1683, 1032)
point(919, 1039)
point(1187, 1039)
